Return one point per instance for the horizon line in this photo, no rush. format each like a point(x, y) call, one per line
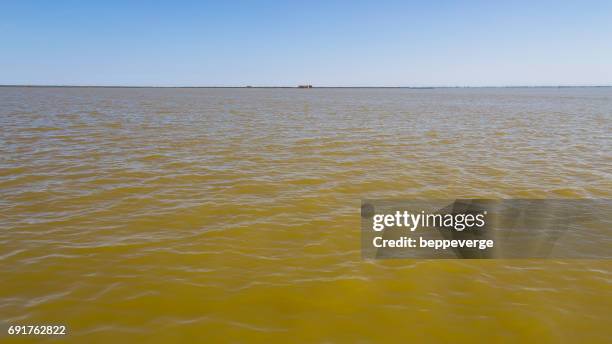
point(298, 86)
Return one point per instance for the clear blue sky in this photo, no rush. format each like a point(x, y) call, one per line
point(324, 43)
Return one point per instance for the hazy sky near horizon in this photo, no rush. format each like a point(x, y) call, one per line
point(324, 43)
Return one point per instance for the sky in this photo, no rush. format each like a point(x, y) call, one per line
point(323, 43)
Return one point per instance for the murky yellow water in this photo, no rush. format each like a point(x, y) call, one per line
point(157, 215)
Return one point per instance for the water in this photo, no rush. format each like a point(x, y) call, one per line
point(233, 214)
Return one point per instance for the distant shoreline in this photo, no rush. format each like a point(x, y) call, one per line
point(296, 87)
